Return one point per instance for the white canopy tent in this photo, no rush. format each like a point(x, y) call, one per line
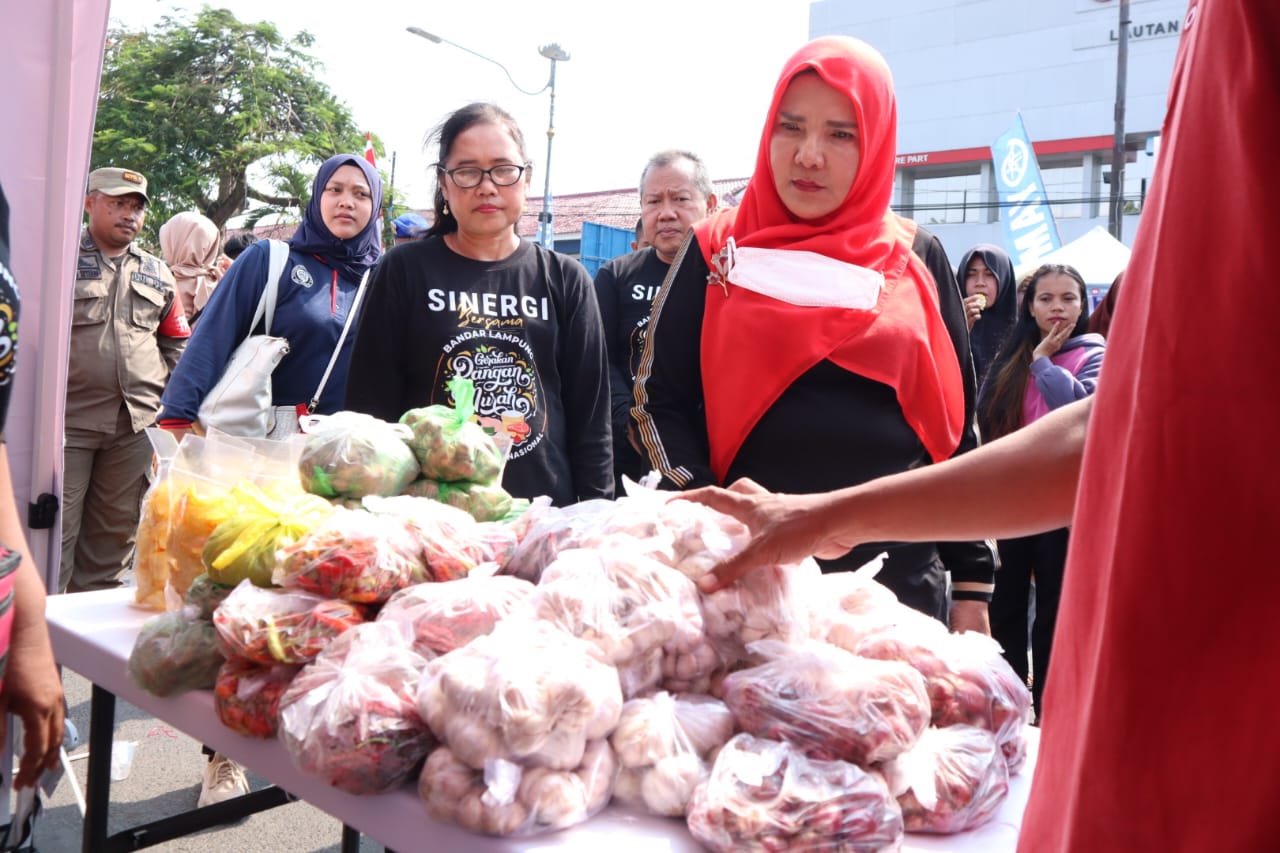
point(1097, 255)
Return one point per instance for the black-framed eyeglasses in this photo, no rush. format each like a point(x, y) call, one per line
point(469, 177)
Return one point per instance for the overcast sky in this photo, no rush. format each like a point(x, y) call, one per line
point(643, 76)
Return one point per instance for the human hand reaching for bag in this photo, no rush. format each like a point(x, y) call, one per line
point(784, 529)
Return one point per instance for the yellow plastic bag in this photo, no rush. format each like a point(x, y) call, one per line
point(245, 545)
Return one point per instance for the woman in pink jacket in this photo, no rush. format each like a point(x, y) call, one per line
point(1049, 361)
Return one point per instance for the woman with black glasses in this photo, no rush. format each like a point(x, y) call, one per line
point(473, 300)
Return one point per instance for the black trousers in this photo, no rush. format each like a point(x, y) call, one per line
point(1025, 561)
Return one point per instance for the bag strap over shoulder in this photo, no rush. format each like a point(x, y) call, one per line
point(275, 268)
point(333, 359)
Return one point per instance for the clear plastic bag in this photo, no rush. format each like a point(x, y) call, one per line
point(353, 555)
point(969, 681)
point(441, 617)
point(198, 509)
point(548, 530)
point(151, 562)
point(830, 704)
point(773, 603)
point(482, 501)
point(634, 609)
point(247, 695)
point(522, 714)
point(689, 537)
point(510, 799)
point(202, 476)
point(349, 454)
point(175, 652)
point(850, 605)
point(269, 627)
point(764, 796)
point(351, 716)
point(452, 543)
point(448, 443)
point(205, 595)
point(954, 779)
point(664, 744)
point(526, 693)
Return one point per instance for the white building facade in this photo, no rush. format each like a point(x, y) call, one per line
point(964, 69)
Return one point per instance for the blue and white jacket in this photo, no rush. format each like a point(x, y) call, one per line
point(311, 308)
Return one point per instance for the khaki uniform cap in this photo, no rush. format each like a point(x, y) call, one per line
point(113, 181)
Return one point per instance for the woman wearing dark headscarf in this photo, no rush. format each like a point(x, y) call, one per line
point(334, 245)
point(810, 339)
point(990, 301)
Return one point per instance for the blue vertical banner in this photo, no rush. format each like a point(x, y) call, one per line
point(1029, 229)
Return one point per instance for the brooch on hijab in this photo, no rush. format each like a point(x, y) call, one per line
point(722, 265)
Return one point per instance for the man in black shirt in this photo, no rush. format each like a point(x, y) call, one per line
point(675, 192)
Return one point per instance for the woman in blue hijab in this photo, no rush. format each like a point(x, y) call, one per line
point(336, 243)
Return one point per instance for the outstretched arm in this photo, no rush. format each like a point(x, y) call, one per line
point(1021, 484)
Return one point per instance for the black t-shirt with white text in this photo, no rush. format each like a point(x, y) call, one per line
point(526, 331)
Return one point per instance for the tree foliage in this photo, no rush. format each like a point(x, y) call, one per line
point(213, 111)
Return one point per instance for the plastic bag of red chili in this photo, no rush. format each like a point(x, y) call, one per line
point(247, 695)
point(268, 626)
point(354, 555)
point(441, 617)
point(351, 715)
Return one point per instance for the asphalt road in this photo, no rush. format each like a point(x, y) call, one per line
point(163, 780)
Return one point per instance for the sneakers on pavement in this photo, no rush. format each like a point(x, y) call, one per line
point(223, 780)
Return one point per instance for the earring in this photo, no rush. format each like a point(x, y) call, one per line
point(446, 208)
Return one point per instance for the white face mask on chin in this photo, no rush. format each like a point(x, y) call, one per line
point(804, 278)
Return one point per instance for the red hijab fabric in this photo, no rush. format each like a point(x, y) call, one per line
point(755, 346)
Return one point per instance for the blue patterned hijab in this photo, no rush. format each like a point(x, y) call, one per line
point(352, 256)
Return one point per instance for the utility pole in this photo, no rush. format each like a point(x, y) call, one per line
point(1115, 217)
point(554, 52)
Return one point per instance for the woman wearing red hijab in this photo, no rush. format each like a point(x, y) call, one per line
point(810, 339)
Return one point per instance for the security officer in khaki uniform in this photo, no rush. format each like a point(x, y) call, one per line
point(127, 332)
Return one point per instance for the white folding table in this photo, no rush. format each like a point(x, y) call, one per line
point(93, 633)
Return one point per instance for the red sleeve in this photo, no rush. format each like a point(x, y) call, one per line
point(174, 324)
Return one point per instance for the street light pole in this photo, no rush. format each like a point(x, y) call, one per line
point(546, 219)
point(555, 53)
point(1115, 212)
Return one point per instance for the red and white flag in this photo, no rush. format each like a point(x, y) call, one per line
point(368, 150)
